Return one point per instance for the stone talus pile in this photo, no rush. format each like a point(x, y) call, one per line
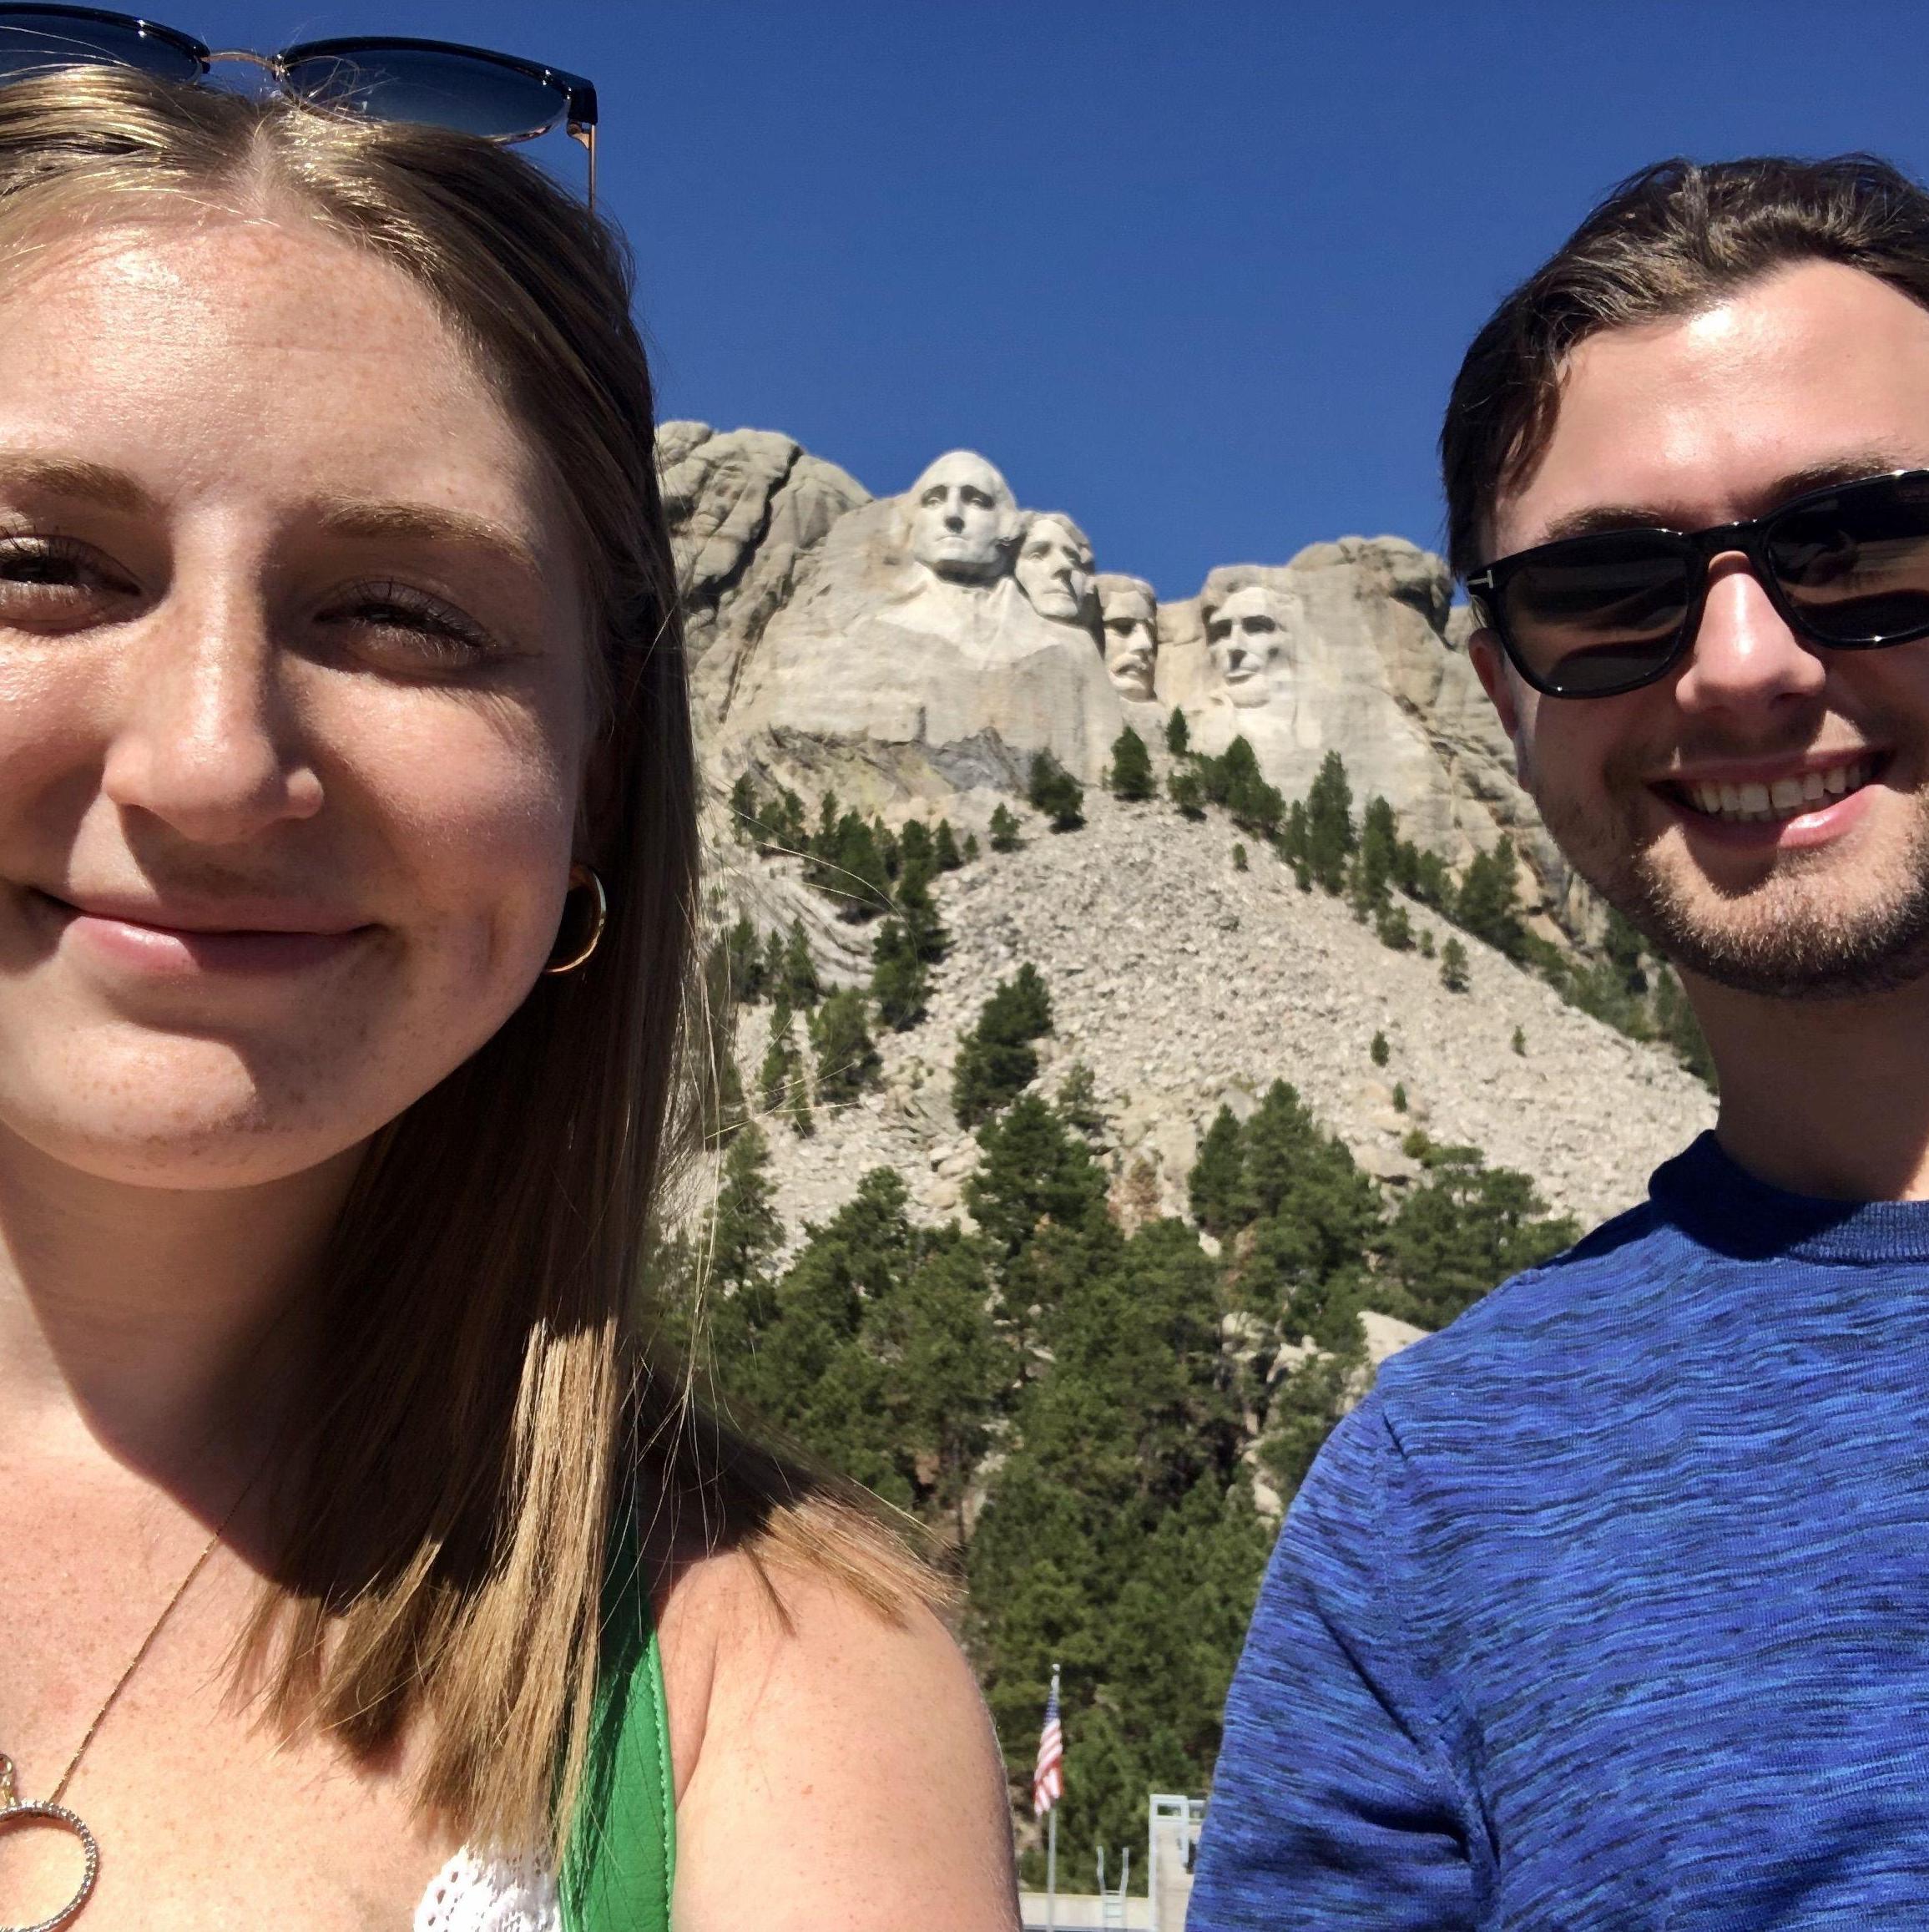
point(1184, 984)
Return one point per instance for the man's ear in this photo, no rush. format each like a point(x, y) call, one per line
point(1490, 666)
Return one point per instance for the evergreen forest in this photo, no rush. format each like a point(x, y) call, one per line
point(1095, 1413)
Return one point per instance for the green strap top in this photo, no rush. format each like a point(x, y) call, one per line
point(621, 1859)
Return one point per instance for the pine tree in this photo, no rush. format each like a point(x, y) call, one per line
point(1379, 1051)
point(1217, 1185)
point(971, 845)
point(1178, 736)
point(996, 1060)
point(743, 963)
point(847, 1062)
point(1488, 903)
point(919, 912)
point(1453, 974)
point(1033, 1168)
point(1463, 1229)
point(944, 847)
point(1373, 865)
point(1329, 836)
point(780, 1082)
point(1239, 862)
point(916, 851)
point(788, 828)
point(1053, 790)
point(1185, 791)
point(850, 866)
point(746, 818)
point(796, 983)
point(1131, 772)
point(1004, 829)
point(898, 981)
point(1077, 1101)
point(746, 1232)
point(1395, 930)
point(1234, 780)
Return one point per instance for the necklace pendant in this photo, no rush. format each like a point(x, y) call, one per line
point(14, 1814)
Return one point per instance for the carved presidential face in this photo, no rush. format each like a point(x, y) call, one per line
point(1054, 568)
point(1130, 612)
point(1248, 645)
point(963, 517)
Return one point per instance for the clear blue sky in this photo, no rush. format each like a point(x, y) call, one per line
point(1198, 272)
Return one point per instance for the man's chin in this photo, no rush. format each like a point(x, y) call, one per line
point(1790, 938)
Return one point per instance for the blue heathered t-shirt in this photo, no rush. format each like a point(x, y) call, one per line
point(1610, 1607)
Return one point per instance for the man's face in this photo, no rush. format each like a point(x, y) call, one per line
point(1054, 570)
point(960, 518)
point(1816, 374)
point(1131, 638)
point(1245, 640)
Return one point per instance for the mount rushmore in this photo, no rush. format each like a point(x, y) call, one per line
point(922, 648)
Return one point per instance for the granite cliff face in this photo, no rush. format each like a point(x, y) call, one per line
point(905, 650)
point(912, 653)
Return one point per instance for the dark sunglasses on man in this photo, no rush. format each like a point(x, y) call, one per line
point(1593, 616)
point(495, 95)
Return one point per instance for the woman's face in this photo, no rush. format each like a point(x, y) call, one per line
point(293, 707)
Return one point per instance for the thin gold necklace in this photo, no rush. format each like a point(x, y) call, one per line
point(14, 1811)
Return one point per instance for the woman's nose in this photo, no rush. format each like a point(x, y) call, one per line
point(205, 740)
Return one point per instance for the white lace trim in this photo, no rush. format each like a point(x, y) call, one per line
point(477, 1894)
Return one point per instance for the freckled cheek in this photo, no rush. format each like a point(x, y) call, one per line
point(49, 754)
point(490, 868)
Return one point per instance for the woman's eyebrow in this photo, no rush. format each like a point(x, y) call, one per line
point(68, 477)
point(426, 522)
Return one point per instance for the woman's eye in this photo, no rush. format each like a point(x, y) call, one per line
point(392, 621)
point(53, 580)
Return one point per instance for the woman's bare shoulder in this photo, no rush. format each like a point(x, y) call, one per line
point(835, 1763)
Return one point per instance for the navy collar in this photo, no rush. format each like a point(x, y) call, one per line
point(1724, 1207)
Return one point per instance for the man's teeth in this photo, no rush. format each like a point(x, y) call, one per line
point(1743, 804)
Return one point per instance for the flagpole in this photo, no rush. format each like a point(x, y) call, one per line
point(1052, 1866)
point(1052, 1838)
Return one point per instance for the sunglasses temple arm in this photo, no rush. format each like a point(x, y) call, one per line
point(585, 137)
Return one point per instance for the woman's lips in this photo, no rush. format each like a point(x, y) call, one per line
point(149, 946)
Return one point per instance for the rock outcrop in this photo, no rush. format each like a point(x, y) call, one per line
point(933, 642)
point(1348, 648)
point(746, 508)
point(904, 650)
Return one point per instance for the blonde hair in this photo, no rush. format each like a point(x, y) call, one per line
point(488, 1396)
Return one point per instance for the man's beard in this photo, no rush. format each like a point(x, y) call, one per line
point(1790, 937)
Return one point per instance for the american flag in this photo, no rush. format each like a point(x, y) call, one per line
point(1049, 1776)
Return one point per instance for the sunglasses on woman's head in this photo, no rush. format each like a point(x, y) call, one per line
point(495, 95)
point(1594, 616)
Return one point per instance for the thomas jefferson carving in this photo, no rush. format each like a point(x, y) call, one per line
point(1054, 568)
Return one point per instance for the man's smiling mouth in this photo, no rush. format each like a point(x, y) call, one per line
point(1759, 801)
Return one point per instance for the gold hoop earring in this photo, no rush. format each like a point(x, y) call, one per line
point(579, 877)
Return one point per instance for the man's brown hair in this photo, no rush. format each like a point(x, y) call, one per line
point(1670, 240)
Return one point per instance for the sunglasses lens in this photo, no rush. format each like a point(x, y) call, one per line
point(444, 89)
point(37, 40)
point(1856, 566)
point(1601, 614)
